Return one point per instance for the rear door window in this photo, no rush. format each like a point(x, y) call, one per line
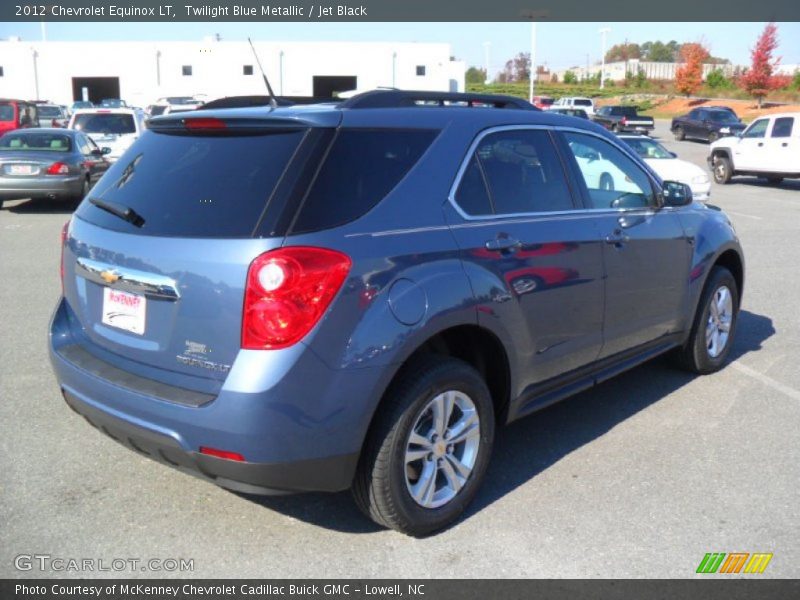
point(361, 168)
point(194, 185)
point(521, 173)
point(782, 127)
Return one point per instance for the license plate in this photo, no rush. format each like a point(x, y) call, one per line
point(124, 310)
point(20, 169)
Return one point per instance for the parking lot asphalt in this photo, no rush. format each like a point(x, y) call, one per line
point(639, 477)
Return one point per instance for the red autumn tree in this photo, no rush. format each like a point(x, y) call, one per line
point(760, 80)
point(689, 76)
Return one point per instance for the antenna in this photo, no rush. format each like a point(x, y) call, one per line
point(273, 102)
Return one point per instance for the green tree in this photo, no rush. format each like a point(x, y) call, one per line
point(475, 75)
point(626, 51)
point(660, 52)
point(716, 80)
point(570, 77)
point(641, 78)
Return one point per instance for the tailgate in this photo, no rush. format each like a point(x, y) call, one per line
point(174, 304)
point(157, 256)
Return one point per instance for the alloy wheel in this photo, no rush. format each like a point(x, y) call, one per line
point(442, 449)
point(720, 318)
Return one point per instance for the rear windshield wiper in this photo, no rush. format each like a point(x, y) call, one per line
point(118, 210)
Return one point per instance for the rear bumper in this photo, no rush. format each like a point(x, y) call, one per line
point(298, 424)
point(326, 474)
point(39, 187)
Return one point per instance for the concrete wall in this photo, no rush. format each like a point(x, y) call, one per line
point(149, 70)
point(615, 71)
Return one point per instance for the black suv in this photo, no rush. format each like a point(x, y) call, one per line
point(708, 124)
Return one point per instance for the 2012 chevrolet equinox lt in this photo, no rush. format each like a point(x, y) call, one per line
point(354, 296)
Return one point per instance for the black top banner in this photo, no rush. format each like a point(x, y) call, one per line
point(401, 10)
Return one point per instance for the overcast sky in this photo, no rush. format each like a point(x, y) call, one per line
point(558, 45)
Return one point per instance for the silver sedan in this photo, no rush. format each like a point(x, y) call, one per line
point(52, 163)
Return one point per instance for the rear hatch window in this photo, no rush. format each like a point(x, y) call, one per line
point(582, 102)
point(193, 185)
point(118, 124)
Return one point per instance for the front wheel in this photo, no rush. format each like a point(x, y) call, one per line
point(428, 448)
point(713, 137)
point(679, 134)
point(723, 170)
point(714, 326)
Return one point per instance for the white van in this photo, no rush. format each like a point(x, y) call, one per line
point(575, 102)
point(116, 128)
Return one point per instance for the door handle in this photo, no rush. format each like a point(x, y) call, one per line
point(618, 239)
point(503, 244)
point(760, 143)
point(784, 144)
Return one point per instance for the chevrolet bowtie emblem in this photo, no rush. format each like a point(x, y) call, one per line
point(109, 276)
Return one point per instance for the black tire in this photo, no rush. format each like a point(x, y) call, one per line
point(380, 487)
point(615, 128)
point(713, 137)
point(1, 204)
point(774, 180)
point(679, 134)
point(695, 355)
point(606, 182)
point(722, 170)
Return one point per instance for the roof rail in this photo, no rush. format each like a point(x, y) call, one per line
point(406, 98)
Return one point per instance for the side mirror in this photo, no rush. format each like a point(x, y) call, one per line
point(676, 193)
point(673, 154)
point(105, 150)
point(97, 152)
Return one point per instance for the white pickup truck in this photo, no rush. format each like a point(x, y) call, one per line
point(768, 148)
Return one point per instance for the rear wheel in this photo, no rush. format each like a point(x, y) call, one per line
point(75, 200)
point(427, 451)
point(679, 134)
point(714, 326)
point(723, 170)
point(713, 137)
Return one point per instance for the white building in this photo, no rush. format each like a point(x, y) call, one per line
point(615, 71)
point(141, 72)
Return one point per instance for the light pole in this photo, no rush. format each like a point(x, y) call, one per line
point(394, 69)
point(533, 62)
point(486, 46)
point(603, 33)
point(280, 74)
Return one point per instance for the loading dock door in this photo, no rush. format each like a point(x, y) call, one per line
point(325, 86)
point(98, 87)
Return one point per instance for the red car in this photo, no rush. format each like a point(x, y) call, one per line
point(543, 102)
point(17, 114)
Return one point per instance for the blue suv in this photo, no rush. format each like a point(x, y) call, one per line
point(317, 298)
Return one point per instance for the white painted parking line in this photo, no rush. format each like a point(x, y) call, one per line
point(738, 214)
point(768, 381)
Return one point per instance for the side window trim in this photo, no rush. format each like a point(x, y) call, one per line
point(451, 197)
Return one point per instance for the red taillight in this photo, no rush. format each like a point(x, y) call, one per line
point(64, 234)
point(57, 168)
point(624, 120)
point(204, 123)
point(288, 291)
point(227, 455)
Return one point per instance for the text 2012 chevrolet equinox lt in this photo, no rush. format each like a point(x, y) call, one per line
point(354, 296)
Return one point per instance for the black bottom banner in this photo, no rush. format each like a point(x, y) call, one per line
point(376, 589)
